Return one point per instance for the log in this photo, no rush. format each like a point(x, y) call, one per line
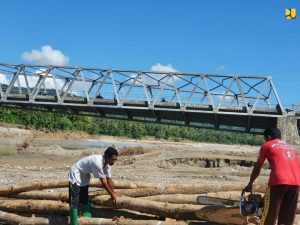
point(153, 194)
point(100, 212)
point(200, 188)
point(192, 199)
point(15, 205)
point(123, 221)
point(117, 184)
point(50, 184)
point(14, 219)
point(175, 211)
point(230, 195)
point(40, 195)
point(37, 185)
point(105, 212)
point(216, 214)
point(185, 189)
point(174, 198)
point(32, 206)
point(139, 192)
point(223, 215)
point(163, 189)
point(64, 196)
point(145, 185)
point(227, 215)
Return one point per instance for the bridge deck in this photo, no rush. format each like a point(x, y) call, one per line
point(193, 115)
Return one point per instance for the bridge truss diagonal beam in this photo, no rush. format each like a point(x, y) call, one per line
point(187, 97)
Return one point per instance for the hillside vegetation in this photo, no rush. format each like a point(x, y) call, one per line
point(114, 127)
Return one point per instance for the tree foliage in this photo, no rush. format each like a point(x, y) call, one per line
point(132, 129)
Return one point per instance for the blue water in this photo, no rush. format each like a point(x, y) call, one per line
point(82, 144)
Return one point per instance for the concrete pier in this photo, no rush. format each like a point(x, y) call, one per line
point(289, 129)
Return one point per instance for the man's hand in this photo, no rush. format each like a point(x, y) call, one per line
point(108, 185)
point(254, 175)
point(248, 188)
point(114, 198)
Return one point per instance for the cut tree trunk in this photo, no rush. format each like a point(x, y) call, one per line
point(192, 199)
point(185, 189)
point(40, 195)
point(41, 185)
point(174, 198)
point(139, 192)
point(14, 219)
point(204, 188)
point(64, 196)
point(37, 185)
point(32, 206)
point(226, 215)
point(153, 194)
point(230, 195)
point(175, 211)
point(163, 189)
point(223, 215)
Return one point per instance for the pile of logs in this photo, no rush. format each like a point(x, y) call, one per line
point(137, 203)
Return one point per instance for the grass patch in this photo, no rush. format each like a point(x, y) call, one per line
point(5, 152)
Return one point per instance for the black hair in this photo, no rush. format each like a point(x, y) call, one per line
point(273, 132)
point(110, 152)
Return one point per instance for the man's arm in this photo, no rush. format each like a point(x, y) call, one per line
point(108, 185)
point(255, 173)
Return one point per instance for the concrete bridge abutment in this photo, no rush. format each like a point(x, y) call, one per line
point(289, 130)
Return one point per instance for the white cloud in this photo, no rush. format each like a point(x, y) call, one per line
point(163, 68)
point(155, 68)
point(153, 79)
point(78, 87)
point(32, 80)
point(47, 55)
point(3, 79)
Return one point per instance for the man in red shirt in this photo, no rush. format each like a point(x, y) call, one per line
point(282, 194)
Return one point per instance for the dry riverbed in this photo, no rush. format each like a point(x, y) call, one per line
point(149, 161)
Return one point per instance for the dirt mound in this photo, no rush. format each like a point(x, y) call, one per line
point(14, 132)
point(14, 136)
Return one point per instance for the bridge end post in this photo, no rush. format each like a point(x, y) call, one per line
point(289, 129)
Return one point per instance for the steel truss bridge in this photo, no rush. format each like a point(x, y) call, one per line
point(234, 102)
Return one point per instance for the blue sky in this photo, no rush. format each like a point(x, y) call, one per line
point(208, 36)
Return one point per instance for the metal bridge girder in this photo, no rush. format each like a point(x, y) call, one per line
point(141, 93)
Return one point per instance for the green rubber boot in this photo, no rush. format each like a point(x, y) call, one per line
point(73, 216)
point(86, 210)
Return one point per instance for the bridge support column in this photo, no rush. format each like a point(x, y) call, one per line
point(289, 130)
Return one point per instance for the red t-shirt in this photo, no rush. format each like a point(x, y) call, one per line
point(284, 162)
